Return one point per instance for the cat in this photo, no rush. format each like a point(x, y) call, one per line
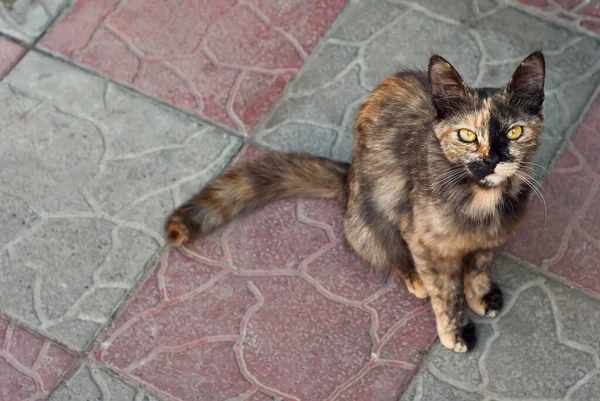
point(439, 178)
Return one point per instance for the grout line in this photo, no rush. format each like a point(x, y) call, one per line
point(312, 55)
point(548, 16)
point(137, 282)
point(35, 330)
point(12, 65)
point(131, 90)
point(84, 363)
point(143, 275)
point(570, 131)
point(83, 357)
point(20, 42)
point(63, 10)
point(77, 366)
point(551, 276)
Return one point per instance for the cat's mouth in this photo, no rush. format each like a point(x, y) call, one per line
point(499, 175)
point(493, 180)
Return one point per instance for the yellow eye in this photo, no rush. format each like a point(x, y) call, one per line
point(515, 132)
point(466, 135)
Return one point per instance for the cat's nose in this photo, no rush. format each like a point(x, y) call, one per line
point(492, 159)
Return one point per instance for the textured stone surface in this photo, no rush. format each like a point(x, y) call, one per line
point(543, 346)
point(27, 19)
point(30, 366)
point(583, 14)
point(483, 39)
point(226, 60)
point(565, 240)
point(88, 173)
point(270, 320)
point(91, 382)
point(379, 384)
point(10, 52)
point(273, 306)
point(428, 388)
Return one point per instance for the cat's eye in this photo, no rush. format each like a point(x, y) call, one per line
point(466, 135)
point(514, 132)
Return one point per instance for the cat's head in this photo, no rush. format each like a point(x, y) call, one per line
point(492, 132)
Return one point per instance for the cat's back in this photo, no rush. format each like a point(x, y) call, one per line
point(397, 108)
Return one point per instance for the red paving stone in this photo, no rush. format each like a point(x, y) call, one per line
point(225, 60)
point(543, 4)
point(10, 53)
point(300, 309)
point(590, 10)
point(30, 366)
point(568, 245)
point(567, 4)
point(581, 13)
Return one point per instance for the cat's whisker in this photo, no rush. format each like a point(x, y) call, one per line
point(458, 179)
point(538, 193)
point(450, 171)
point(532, 169)
point(454, 178)
point(539, 184)
point(536, 165)
point(448, 175)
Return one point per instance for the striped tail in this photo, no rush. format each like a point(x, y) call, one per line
point(251, 185)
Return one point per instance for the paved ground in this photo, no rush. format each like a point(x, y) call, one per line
point(112, 112)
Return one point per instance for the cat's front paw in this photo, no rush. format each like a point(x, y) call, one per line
point(493, 300)
point(415, 286)
point(490, 304)
point(461, 339)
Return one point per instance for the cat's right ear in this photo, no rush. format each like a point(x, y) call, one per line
point(526, 86)
point(447, 86)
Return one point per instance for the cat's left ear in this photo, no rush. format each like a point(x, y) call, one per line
point(447, 87)
point(526, 85)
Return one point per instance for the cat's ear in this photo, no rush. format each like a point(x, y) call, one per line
point(447, 86)
point(526, 86)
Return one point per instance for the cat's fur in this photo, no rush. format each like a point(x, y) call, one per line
point(418, 199)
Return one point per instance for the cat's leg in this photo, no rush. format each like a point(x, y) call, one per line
point(413, 282)
point(382, 246)
point(483, 296)
point(442, 279)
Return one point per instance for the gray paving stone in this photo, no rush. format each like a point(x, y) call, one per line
point(543, 346)
point(91, 383)
point(464, 367)
point(580, 318)
point(88, 172)
point(27, 19)
point(589, 391)
point(429, 388)
point(484, 39)
point(523, 360)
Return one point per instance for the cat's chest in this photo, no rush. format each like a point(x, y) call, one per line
point(454, 235)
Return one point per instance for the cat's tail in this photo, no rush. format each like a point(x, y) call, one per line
point(250, 185)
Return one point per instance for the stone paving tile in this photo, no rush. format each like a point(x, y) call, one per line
point(27, 19)
point(543, 346)
point(10, 53)
point(92, 382)
point(30, 366)
point(373, 39)
point(225, 60)
point(300, 318)
point(566, 242)
point(584, 14)
point(88, 172)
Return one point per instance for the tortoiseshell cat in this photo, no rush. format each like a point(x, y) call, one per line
point(438, 180)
